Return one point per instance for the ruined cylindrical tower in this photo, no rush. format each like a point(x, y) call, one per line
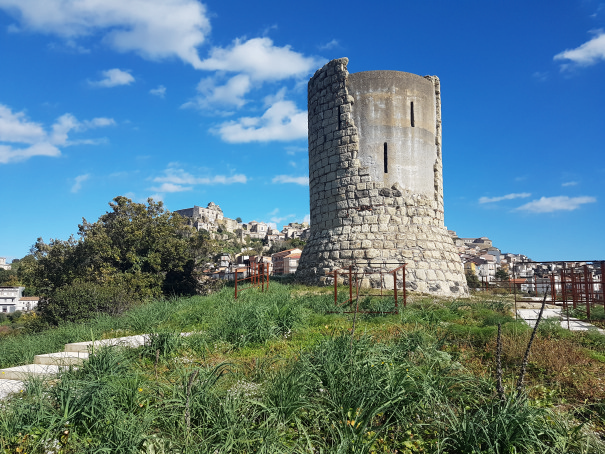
point(375, 178)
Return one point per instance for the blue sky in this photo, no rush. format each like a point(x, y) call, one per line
point(192, 102)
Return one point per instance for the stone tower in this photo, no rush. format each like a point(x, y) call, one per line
point(375, 179)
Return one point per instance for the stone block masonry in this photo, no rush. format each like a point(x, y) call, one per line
point(375, 179)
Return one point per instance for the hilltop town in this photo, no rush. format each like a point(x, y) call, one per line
point(479, 256)
point(283, 260)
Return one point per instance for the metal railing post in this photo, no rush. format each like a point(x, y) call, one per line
point(335, 287)
point(405, 293)
point(586, 292)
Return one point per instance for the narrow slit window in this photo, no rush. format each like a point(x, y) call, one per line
point(412, 113)
point(386, 159)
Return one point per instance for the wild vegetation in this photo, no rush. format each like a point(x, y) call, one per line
point(280, 371)
point(132, 253)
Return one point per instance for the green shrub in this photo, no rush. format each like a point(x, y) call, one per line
point(15, 316)
point(84, 300)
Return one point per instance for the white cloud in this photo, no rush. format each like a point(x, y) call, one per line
point(78, 182)
point(540, 75)
point(569, 183)
point(171, 187)
point(281, 121)
point(255, 61)
point(15, 127)
point(154, 29)
point(21, 139)
point(280, 219)
point(587, 54)
point(558, 203)
point(504, 197)
point(231, 93)
point(332, 44)
point(307, 219)
point(303, 181)
point(10, 154)
point(293, 150)
point(160, 91)
point(260, 59)
point(177, 180)
point(99, 122)
point(113, 78)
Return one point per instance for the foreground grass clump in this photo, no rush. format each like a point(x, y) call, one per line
point(276, 372)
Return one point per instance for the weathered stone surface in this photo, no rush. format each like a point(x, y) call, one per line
point(364, 212)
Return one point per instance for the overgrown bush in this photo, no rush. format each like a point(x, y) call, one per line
point(84, 300)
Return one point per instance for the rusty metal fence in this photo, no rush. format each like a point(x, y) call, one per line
point(257, 274)
point(358, 280)
point(578, 284)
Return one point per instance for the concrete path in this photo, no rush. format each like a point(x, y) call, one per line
point(530, 315)
point(49, 365)
point(128, 341)
point(10, 386)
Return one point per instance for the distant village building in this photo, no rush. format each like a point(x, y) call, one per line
point(210, 218)
point(257, 230)
point(296, 230)
point(3, 264)
point(12, 300)
point(286, 262)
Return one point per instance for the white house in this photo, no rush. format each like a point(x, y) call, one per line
point(12, 300)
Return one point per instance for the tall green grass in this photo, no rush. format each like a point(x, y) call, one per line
point(333, 391)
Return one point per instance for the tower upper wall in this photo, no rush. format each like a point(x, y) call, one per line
point(395, 114)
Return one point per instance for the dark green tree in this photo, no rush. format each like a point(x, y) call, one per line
point(292, 243)
point(502, 274)
point(472, 280)
point(133, 252)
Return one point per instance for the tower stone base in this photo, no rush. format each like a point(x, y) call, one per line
point(360, 222)
point(399, 228)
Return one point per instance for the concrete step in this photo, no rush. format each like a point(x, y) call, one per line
point(10, 386)
point(128, 341)
point(530, 316)
point(29, 370)
point(61, 358)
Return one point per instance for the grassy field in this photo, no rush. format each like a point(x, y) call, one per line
point(277, 372)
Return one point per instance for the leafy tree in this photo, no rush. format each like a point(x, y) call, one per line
point(472, 280)
point(141, 249)
point(292, 243)
point(8, 278)
point(238, 219)
point(297, 242)
point(502, 274)
point(139, 245)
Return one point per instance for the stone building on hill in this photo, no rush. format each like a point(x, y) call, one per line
point(210, 218)
point(375, 179)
